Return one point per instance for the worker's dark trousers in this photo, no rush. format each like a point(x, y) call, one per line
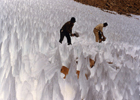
point(64, 33)
point(100, 35)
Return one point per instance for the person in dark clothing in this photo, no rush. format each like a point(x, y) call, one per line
point(66, 30)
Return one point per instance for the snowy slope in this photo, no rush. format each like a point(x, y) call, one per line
point(31, 56)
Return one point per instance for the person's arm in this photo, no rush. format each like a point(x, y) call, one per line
point(104, 38)
point(69, 29)
point(70, 32)
point(102, 34)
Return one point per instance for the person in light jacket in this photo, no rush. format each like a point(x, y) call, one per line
point(98, 32)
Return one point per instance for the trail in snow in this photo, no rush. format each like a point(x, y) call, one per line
point(31, 56)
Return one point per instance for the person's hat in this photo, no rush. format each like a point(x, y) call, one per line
point(105, 24)
point(73, 20)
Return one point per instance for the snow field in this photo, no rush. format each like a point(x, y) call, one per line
point(31, 56)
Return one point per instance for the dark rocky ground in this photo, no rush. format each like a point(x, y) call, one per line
point(126, 7)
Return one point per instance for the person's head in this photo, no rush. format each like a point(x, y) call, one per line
point(105, 24)
point(73, 20)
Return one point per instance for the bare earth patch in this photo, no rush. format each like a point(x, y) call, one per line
point(126, 7)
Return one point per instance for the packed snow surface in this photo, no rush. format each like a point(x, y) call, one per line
point(31, 56)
